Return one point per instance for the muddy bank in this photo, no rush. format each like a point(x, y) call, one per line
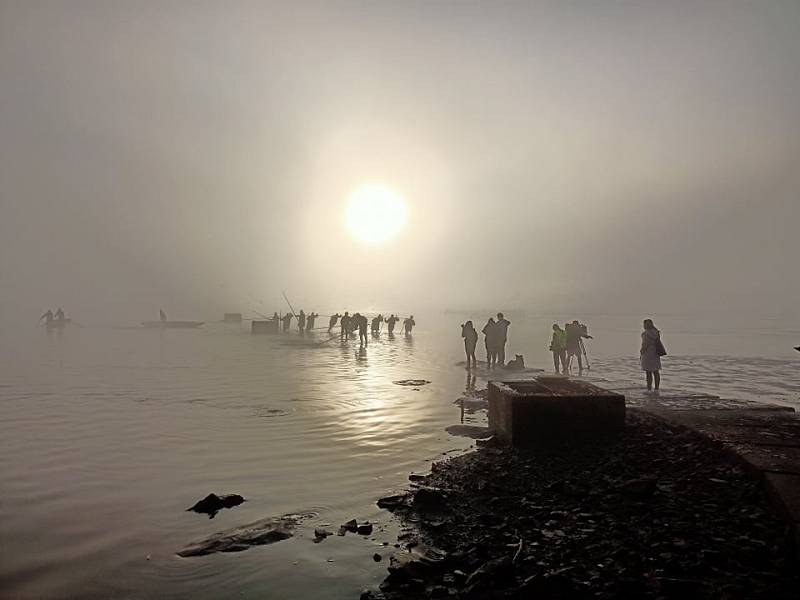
point(660, 513)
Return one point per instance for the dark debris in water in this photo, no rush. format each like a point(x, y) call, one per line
point(411, 382)
point(212, 504)
point(641, 517)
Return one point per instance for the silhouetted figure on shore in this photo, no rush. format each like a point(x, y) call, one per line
point(650, 354)
point(345, 326)
point(408, 324)
point(502, 336)
point(391, 322)
point(376, 324)
point(162, 316)
point(575, 334)
point(301, 321)
point(490, 341)
point(275, 317)
point(310, 320)
point(470, 341)
point(558, 346)
point(287, 321)
point(48, 316)
point(332, 321)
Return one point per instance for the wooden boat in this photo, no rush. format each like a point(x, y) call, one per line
point(57, 323)
point(172, 324)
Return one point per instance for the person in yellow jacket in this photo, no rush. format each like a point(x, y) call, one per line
point(558, 346)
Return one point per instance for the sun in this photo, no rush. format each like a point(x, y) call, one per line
point(375, 213)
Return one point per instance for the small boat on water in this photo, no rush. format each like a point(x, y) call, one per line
point(172, 324)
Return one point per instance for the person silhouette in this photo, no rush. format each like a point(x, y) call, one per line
point(332, 321)
point(490, 341)
point(470, 341)
point(408, 324)
point(501, 327)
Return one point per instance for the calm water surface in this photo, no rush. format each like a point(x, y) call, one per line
point(108, 435)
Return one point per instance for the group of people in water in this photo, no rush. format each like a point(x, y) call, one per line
point(50, 317)
point(348, 324)
point(566, 345)
point(495, 335)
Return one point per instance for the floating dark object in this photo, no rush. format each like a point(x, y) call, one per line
point(797, 348)
point(411, 382)
point(212, 504)
point(171, 324)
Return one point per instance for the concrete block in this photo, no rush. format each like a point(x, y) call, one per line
point(269, 326)
point(547, 412)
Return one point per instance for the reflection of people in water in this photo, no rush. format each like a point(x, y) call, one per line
point(332, 321)
point(301, 321)
point(470, 341)
point(390, 323)
point(469, 391)
point(287, 321)
point(345, 325)
point(408, 324)
point(161, 315)
point(48, 316)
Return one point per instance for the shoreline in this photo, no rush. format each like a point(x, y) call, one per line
point(679, 506)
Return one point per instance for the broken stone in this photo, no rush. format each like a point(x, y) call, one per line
point(351, 526)
point(365, 529)
point(259, 533)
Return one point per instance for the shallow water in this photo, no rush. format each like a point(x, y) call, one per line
point(108, 435)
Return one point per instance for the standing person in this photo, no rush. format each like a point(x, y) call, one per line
point(470, 341)
point(301, 321)
point(390, 323)
point(650, 354)
point(275, 317)
point(287, 321)
point(345, 326)
point(408, 324)
point(162, 316)
point(310, 319)
point(558, 346)
point(575, 332)
point(490, 341)
point(376, 324)
point(361, 323)
point(332, 321)
point(48, 316)
point(502, 337)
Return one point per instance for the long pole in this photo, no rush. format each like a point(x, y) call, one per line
point(289, 303)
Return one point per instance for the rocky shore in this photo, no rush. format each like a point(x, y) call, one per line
point(659, 513)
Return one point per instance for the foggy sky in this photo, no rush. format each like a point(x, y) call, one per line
point(599, 156)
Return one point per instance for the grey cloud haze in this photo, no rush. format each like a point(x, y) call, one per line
point(198, 156)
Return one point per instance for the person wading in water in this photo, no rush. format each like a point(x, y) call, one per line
point(470, 341)
point(650, 354)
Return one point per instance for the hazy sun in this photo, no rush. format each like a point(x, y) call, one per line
point(375, 213)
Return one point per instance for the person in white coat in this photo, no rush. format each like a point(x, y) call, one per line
point(650, 354)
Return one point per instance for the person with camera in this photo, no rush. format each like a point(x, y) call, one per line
point(575, 333)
